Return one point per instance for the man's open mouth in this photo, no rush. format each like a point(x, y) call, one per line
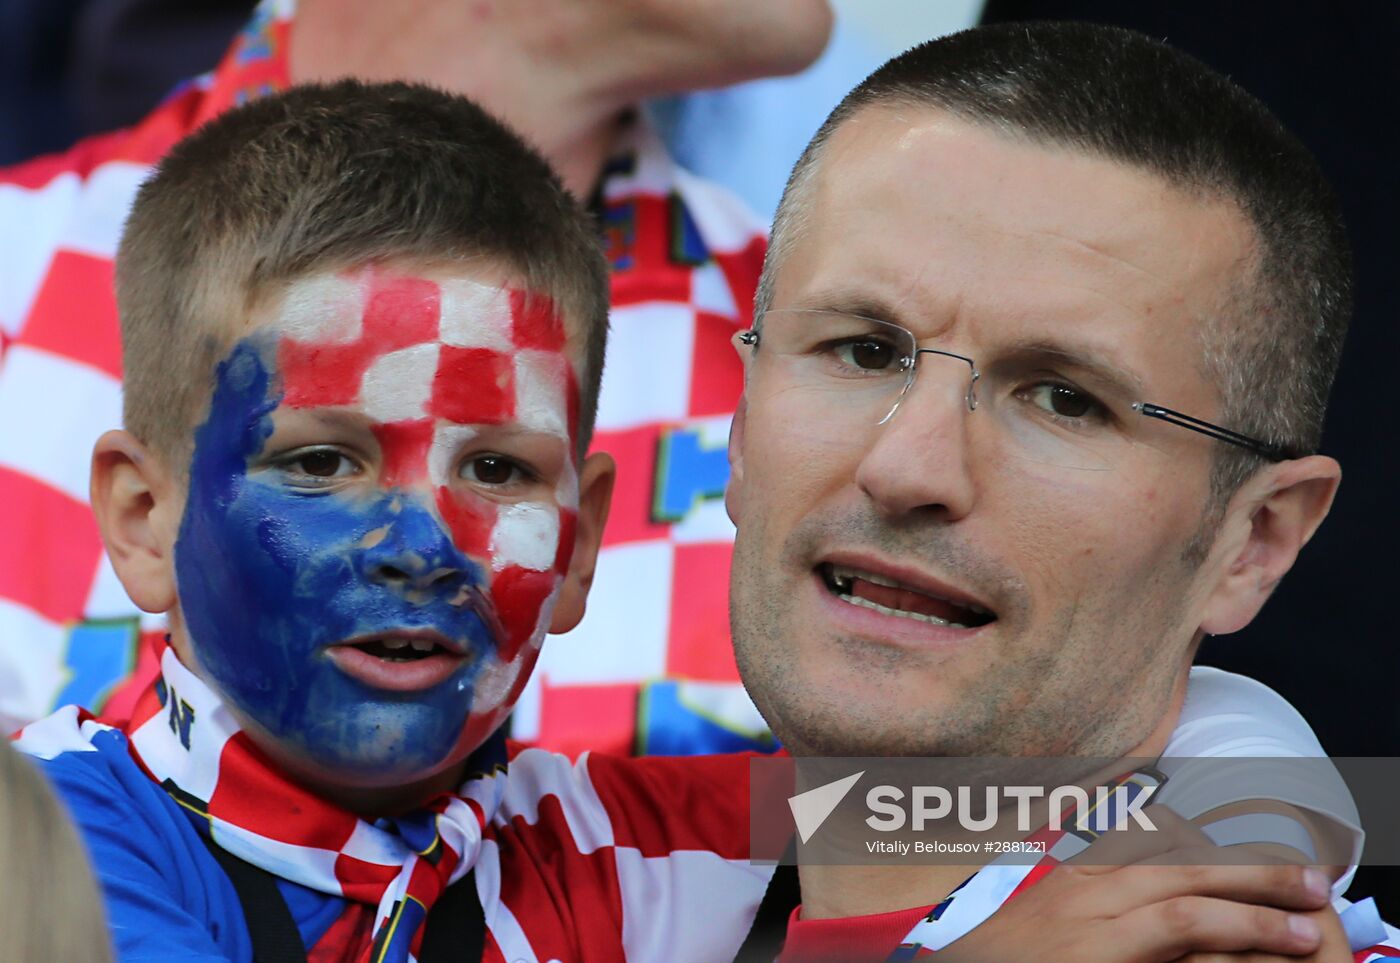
point(892, 597)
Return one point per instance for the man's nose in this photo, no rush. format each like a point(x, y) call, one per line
point(413, 551)
point(919, 460)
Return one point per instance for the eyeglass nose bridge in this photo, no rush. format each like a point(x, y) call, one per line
point(912, 364)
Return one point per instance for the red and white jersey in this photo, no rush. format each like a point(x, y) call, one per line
point(596, 860)
point(655, 645)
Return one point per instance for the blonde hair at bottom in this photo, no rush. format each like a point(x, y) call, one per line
point(49, 903)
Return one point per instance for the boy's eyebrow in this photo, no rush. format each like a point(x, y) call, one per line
point(336, 417)
point(318, 418)
point(506, 431)
point(354, 419)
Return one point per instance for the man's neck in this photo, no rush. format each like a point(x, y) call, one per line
point(835, 892)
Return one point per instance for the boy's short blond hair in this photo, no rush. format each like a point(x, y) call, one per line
point(325, 177)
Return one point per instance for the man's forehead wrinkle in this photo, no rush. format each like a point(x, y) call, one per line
point(849, 263)
point(1099, 250)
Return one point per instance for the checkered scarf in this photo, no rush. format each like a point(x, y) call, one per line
point(189, 743)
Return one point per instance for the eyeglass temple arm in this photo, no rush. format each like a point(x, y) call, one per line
point(1271, 452)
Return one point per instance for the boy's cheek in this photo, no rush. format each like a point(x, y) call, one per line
point(527, 547)
point(469, 521)
point(520, 596)
point(292, 528)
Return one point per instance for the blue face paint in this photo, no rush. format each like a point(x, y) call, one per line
point(270, 575)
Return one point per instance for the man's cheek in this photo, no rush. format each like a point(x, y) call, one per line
point(1063, 546)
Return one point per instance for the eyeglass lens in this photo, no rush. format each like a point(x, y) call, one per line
point(852, 374)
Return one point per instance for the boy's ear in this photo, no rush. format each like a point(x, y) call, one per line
point(1277, 513)
point(138, 504)
point(595, 487)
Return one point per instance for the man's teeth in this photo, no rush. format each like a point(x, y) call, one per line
point(843, 579)
point(902, 613)
point(845, 576)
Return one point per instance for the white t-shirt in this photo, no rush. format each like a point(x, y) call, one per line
point(1226, 715)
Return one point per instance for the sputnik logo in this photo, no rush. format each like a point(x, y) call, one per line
point(811, 808)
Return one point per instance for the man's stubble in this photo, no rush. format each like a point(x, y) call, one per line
point(1097, 689)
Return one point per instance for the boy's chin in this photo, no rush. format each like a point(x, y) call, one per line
point(371, 769)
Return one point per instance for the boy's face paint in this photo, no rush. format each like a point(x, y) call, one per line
point(381, 510)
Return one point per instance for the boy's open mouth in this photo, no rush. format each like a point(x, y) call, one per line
point(401, 661)
point(398, 648)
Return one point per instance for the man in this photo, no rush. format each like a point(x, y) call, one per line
point(1009, 273)
point(685, 256)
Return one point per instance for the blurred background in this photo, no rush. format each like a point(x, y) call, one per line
point(69, 68)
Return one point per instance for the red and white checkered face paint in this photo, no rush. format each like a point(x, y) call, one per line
point(432, 364)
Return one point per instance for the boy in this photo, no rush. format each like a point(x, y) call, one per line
point(364, 329)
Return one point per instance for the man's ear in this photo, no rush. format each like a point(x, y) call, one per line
point(138, 504)
point(595, 487)
point(1269, 521)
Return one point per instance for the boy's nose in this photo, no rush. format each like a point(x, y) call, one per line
point(416, 553)
point(404, 576)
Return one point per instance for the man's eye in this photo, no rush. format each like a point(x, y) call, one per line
point(493, 470)
point(867, 354)
point(1064, 401)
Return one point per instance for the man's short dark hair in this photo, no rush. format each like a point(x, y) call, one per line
point(325, 177)
point(1116, 94)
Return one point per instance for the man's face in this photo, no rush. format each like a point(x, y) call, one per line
point(380, 511)
point(861, 546)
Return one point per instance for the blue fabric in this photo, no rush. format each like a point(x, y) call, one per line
point(1363, 925)
point(166, 897)
point(670, 727)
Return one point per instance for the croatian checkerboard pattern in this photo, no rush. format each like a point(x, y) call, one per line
point(686, 257)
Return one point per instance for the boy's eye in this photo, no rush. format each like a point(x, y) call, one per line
point(322, 463)
point(493, 470)
point(313, 467)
